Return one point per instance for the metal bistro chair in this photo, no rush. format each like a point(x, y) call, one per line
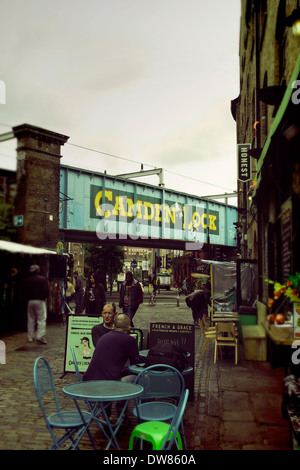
point(70, 421)
point(162, 435)
point(75, 364)
point(163, 387)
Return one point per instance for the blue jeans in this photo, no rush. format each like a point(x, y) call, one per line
point(130, 312)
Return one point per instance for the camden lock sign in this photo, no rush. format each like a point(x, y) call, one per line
point(115, 208)
point(244, 162)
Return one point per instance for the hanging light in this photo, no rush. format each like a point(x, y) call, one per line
point(294, 22)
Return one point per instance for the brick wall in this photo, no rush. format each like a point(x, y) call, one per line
point(38, 178)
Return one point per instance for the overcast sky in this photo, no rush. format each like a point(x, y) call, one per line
point(134, 80)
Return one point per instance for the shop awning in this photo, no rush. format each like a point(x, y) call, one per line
point(12, 247)
point(278, 119)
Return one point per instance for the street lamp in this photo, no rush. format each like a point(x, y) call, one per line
point(293, 21)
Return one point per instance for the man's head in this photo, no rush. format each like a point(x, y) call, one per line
point(34, 269)
point(129, 277)
point(108, 314)
point(122, 323)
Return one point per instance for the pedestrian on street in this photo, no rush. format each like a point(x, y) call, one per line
point(108, 315)
point(78, 293)
point(94, 297)
point(131, 296)
point(198, 302)
point(70, 291)
point(36, 290)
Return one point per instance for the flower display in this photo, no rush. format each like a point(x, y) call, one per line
point(290, 290)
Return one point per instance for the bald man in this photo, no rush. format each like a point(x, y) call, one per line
point(112, 352)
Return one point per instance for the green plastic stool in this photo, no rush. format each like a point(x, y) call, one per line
point(154, 432)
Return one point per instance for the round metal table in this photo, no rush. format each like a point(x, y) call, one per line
point(98, 393)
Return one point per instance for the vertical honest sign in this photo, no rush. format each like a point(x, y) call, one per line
point(244, 162)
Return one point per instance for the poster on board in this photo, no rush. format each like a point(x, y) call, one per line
point(79, 335)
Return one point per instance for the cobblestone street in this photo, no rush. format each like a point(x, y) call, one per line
point(235, 407)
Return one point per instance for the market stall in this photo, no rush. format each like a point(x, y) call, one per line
point(15, 260)
point(223, 280)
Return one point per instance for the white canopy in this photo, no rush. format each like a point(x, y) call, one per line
point(12, 247)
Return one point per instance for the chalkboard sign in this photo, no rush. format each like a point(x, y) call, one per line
point(79, 335)
point(180, 335)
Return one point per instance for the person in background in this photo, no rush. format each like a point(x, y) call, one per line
point(94, 297)
point(108, 314)
point(131, 296)
point(36, 290)
point(198, 302)
point(70, 291)
point(78, 293)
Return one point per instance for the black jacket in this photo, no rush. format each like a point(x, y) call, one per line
point(36, 287)
point(100, 298)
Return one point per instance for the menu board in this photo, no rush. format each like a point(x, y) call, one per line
point(181, 336)
point(79, 335)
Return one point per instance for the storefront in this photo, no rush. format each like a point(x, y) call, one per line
point(15, 260)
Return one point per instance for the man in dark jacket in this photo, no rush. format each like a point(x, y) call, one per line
point(198, 302)
point(108, 315)
point(79, 292)
point(112, 352)
point(131, 296)
point(36, 292)
point(94, 297)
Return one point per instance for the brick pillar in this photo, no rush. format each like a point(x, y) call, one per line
point(38, 183)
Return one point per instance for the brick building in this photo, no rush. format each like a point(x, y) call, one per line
point(267, 115)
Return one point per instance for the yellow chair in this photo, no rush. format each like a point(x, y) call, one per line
point(208, 336)
point(206, 324)
point(226, 336)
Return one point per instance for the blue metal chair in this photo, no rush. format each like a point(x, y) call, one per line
point(163, 387)
point(75, 364)
point(162, 435)
point(72, 422)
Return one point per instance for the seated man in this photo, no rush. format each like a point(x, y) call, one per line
point(112, 352)
point(108, 314)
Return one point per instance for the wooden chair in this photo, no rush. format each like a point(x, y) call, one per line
point(206, 324)
point(226, 336)
point(208, 336)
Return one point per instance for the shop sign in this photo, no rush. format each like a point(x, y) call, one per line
point(244, 162)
